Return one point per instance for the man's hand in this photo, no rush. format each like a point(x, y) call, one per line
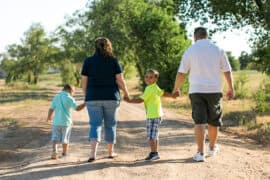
point(176, 94)
point(230, 94)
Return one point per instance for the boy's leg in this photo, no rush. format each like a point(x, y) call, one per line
point(54, 150)
point(55, 140)
point(65, 132)
point(65, 148)
point(152, 135)
point(153, 145)
point(54, 147)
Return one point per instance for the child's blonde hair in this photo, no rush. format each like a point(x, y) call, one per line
point(153, 71)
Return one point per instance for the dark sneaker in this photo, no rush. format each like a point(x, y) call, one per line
point(152, 156)
point(64, 154)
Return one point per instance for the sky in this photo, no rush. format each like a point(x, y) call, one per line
point(16, 16)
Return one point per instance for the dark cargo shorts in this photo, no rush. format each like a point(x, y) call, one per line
point(206, 108)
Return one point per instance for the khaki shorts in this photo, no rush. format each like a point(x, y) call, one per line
point(206, 108)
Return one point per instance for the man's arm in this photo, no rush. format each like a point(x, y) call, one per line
point(229, 80)
point(84, 83)
point(179, 80)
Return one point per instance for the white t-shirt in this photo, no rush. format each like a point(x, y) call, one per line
point(205, 62)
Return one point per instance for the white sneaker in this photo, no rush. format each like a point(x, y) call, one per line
point(199, 157)
point(214, 151)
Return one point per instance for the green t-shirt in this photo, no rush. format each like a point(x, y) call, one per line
point(62, 104)
point(152, 101)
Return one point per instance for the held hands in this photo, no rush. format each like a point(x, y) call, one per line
point(127, 98)
point(176, 94)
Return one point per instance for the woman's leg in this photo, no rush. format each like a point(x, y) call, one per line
point(95, 112)
point(110, 123)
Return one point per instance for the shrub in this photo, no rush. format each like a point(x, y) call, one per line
point(262, 98)
point(241, 90)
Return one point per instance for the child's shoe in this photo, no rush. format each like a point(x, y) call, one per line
point(152, 156)
point(64, 154)
point(54, 155)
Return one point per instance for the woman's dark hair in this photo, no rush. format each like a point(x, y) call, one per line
point(104, 47)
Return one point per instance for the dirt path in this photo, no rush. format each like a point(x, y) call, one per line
point(238, 158)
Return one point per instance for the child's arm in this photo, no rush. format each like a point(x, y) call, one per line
point(136, 100)
point(80, 107)
point(50, 113)
point(165, 94)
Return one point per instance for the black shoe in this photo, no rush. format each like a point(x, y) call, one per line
point(152, 156)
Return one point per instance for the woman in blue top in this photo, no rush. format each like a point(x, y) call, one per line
point(101, 79)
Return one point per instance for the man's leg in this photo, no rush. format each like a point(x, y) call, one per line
point(199, 131)
point(212, 133)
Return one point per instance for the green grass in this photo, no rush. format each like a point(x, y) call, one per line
point(7, 122)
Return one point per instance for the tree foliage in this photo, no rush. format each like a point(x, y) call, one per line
point(233, 61)
point(226, 14)
point(142, 32)
point(29, 59)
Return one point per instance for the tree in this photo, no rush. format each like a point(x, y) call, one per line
point(143, 33)
point(31, 57)
point(244, 60)
point(233, 61)
point(226, 14)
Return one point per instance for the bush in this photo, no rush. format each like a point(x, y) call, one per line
point(68, 73)
point(241, 90)
point(262, 98)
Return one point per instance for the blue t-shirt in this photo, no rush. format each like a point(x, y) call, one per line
point(101, 73)
point(62, 104)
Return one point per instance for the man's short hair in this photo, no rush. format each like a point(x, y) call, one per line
point(68, 87)
point(200, 33)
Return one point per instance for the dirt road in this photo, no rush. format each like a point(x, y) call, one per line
point(238, 158)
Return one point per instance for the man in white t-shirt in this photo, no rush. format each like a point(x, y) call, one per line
point(205, 63)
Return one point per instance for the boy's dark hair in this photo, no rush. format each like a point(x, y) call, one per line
point(67, 87)
point(153, 71)
point(200, 32)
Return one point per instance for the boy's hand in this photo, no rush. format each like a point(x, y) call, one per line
point(49, 119)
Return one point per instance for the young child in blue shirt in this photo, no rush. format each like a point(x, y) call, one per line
point(62, 104)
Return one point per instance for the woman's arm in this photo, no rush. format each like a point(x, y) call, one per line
point(122, 84)
point(84, 83)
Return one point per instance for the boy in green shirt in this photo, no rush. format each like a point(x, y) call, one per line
point(62, 104)
point(152, 102)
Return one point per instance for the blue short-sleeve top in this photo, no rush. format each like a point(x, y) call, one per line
point(101, 73)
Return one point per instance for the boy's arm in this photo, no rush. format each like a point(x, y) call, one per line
point(165, 94)
point(136, 100)
point(50, 113)
point(80, 107)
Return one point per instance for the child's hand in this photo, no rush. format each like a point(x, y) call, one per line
point(49, 119)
